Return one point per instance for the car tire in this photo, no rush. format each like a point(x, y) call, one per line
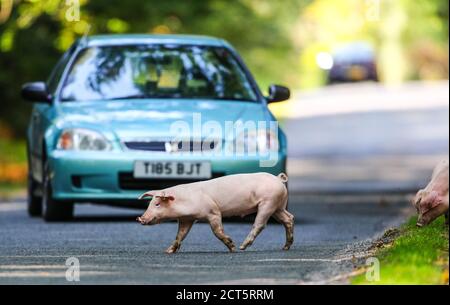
point(34, 203)
point(54, 210)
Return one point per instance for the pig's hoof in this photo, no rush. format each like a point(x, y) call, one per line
point(285, 248)
point(232, 248)
point(171, 250)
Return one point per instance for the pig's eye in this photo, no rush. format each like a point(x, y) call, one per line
point(157, 204)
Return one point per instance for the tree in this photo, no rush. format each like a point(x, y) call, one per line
point(37, 32)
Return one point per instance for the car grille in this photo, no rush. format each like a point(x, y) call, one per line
point(128, 182)
point(149, 146)
point(166, 146)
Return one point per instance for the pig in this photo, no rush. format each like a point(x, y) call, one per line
point(210, 200)
point(432, 201)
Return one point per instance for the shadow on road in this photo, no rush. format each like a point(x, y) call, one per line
point(104, 218)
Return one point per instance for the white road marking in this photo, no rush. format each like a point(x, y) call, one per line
point(257, 281)
point(326, 260)
point(12, 206)
point(29, 274)
point(57, 256)
point(32, 267)
point(334, 279)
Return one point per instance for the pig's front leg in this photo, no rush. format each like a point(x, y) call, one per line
point(184, 226)
point(216, 225)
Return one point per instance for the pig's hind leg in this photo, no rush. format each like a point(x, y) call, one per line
point(184, 226)
point(265, 210)
point(287, 220)
point(215, 220)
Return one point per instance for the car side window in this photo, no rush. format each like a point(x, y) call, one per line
point(55, 76)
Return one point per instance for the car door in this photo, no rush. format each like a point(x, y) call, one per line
point(41, 117)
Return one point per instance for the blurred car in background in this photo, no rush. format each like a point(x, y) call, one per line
point(352, 62)
point(100, 129)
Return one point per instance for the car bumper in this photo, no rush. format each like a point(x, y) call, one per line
point(100, 177)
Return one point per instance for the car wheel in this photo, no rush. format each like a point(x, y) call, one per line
point(54, 210)
point(34, 203)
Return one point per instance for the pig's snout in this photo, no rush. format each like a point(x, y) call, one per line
point(421, 221)
point(146, 220)
point(142, 220)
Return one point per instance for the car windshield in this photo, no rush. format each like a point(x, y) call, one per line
point(156, 71)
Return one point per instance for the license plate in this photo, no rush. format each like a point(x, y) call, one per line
point(172, 169)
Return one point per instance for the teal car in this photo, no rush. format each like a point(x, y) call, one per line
point(123, 114)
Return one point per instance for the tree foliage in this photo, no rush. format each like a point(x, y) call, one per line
point(279, 40)
point(37, 32)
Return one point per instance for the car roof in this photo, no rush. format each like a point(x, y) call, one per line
point(115, 39)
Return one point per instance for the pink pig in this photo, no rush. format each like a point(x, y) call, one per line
point(233, 195)
point(432, 201)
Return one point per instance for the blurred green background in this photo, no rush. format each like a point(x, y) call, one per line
point(279, 41)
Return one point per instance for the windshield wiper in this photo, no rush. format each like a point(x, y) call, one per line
point(229, 98)
point(145, 96)
point(177, 96)
point(133, 96)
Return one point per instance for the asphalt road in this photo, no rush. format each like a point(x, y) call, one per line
point(354, 152)
point(360, 138)
point(112, 248)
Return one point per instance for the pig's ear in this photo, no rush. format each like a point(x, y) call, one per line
point(165, 197)
point(146, 195)
point(417, 198)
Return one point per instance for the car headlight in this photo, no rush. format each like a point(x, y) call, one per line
point(82, 139)
point(252, 142)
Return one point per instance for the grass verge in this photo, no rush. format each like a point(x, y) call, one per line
point(411, 255)
point(13, 167)
point(11, 191)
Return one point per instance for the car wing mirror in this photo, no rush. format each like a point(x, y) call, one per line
point(278, 94)
point(36, 92)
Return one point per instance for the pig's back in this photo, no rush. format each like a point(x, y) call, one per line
point(440, 179)
point(241, 193)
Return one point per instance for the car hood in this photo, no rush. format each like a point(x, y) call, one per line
point(154, 117)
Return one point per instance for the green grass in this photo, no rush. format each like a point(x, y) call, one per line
point(13, 154)
point(416, 256)
point(13, 151)
point(12, 190)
